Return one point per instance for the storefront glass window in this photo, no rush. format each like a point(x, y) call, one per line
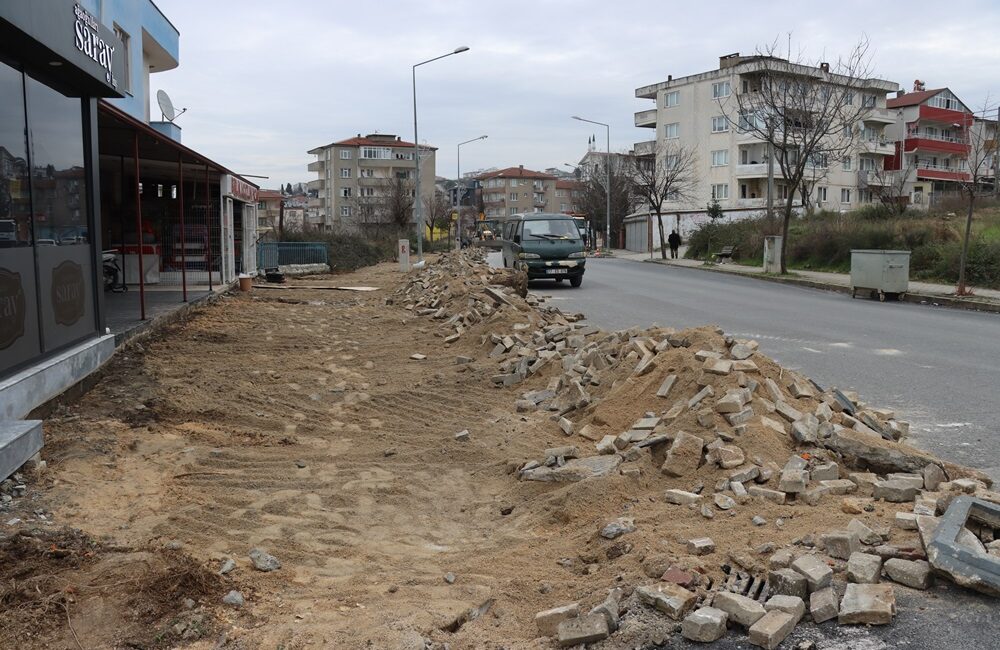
point(59, 196)
point(19, 340)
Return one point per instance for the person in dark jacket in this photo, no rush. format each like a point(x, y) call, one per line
point(674, 240)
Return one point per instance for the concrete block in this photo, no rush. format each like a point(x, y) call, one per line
point(905, 521)
point(915, 574)
point(583, 629)
point(667, 384)
point(864, 568)
point(865, 534)
point(707, 391)
point(671, 599)
point(705, 625)
point(742, 610)
point(867, 605)
point(840, 543)
point(787, 411)
point(548, 621)
point(839, 486)
point(916, 480)
point(19, 441)
point(701, 546)
point(788, 582)
point(770, 495)
point(864, 480)
point(825, 472)
point(681, 498)
point(684, 455)
point(823, 605)
point(793, 481)
point(741, 417)
point(772, 629)
point(789, 604)
point(818, 575)
point(933, 477)
point(895, 491)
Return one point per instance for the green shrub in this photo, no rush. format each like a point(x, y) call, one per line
point(347, 252)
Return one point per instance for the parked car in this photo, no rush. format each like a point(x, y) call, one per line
point(544, 245)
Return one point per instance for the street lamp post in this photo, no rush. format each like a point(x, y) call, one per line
point(592, 235)
point(607, 190)
point(418, 210)
point(459, 184)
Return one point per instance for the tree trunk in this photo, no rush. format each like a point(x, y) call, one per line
point(965, 247)
point(663, 241)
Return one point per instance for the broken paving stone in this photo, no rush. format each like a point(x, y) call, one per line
point(681, 498)
point(729, 456)
point(933, 476)
point(758, 521)
point(743, 417)
point(741, 610)
point(772, 629)
point(684, 455)
point(840, 543)
point(823, 605)
point(462, 436)
point(839, 486)
point(905, 521)
point(793, 480)
point(418, 357)
point(865, 534)
point(706, 512)
point(786, 411)
point(582, 629)
point(701, 546)
point(818, 575)
point(916, 480)
point(764, 493)
point(574, 470)
point(915, 574)
point(707, 391)
point(895, 491)
point(673, 600)
point(788, 582)
point(704, 625)
point(724, 502)
point(864, 568)
point(867, 605)
point(227, 566)
point(607, 445)
point(566, 425)
point(617, 528)
point(264, 561)
point(548, 621)
point(665, 387)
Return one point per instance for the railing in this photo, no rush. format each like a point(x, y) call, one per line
point(915, 133)
point(275, 254)
point(645, 148)
point(961, 168)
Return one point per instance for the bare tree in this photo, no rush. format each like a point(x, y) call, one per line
point(807, 114)
point(889, 186)
point(593, 196)
point(437, 211)
point(668, 174)
point(981, 136)
point(397, 204)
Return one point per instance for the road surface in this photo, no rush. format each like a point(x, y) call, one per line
point(938, 368)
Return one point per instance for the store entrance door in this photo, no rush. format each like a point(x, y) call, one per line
point(228, 268)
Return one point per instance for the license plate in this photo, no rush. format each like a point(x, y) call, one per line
point(556, 271)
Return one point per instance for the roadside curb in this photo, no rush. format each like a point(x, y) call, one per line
point(925, 299)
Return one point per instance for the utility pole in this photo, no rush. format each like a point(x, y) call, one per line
point(607, 163)
point(770, 181)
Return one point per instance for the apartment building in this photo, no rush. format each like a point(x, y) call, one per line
point(567, 196)
point(932, 139)
point(516, 190)
point(355, 177)
point(733, 164)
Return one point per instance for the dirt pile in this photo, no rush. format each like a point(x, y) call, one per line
point(779, 491)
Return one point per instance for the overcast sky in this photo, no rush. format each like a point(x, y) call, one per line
point(265, 81)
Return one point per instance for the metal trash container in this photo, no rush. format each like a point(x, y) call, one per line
point(882, 273)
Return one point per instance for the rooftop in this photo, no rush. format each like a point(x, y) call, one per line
point(373, 140)
point(517, 172)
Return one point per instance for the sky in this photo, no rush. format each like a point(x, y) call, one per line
point(266, 81)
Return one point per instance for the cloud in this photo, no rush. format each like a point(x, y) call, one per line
point(267, 81)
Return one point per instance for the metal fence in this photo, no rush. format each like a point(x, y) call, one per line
point(282, 253)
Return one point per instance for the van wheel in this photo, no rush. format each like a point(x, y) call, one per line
point(577, 281)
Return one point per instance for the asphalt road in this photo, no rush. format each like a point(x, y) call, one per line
point(939, 368)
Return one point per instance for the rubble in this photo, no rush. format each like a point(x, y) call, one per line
point(704, 625)
point(867, 605)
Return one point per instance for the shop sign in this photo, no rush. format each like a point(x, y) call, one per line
point(87, 39)
point(239, 189)
point(12, 308)
point(68, 293)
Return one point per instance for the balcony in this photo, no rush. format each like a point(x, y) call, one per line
point(316, 166)
point(880, 115)
point(752, 203)
point(316, 184)
point(756, 170)
point(931, 171)
point(646, 119)
point(924, 141)
point(646, 148)
point(879, 146)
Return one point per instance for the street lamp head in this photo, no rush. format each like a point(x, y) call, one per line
point(483, 137)
point(460, 49)
point(577, 117)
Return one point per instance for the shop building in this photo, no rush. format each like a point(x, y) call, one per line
point(82, 171)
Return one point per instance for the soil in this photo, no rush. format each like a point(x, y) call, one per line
point(295, 421)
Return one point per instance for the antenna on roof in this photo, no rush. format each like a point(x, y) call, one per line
point(167, 112)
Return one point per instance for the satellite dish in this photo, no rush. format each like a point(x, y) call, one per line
point(167, 107)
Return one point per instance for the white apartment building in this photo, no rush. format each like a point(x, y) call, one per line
point(733, 165)
point(354, 174)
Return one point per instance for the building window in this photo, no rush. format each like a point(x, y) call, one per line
point(366, 172)
point(672, 131)
point(720, 124)
point(865, 196)
point(366, 191)
point(345, 172)
point(376, 153)
point(869, 101)
point(720, 158)
point(345, 154)
point(945, 99)
point(513, 196)
point(820, 195)
point(847, 163)
point(513, 210)
point(671, 99)
point(562, 207)
point(345, 210)
point(126, 46)
point(404, 155)
point(720, 192)
point(721, 89)
point(866, 164)
point(345, 192)
point(403, 174)
point(845, 195)
point(560, 194)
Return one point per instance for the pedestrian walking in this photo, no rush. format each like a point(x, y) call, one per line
point(674, 240)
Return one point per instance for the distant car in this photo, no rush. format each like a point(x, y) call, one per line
point(545, 245)
point(8, 233)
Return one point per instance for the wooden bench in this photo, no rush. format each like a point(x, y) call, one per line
point(726, 253)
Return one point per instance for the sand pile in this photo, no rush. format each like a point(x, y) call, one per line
point(784, 499)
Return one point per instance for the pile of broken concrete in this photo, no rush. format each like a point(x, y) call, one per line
point(724, 429)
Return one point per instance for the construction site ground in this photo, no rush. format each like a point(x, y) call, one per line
point(294, 420)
